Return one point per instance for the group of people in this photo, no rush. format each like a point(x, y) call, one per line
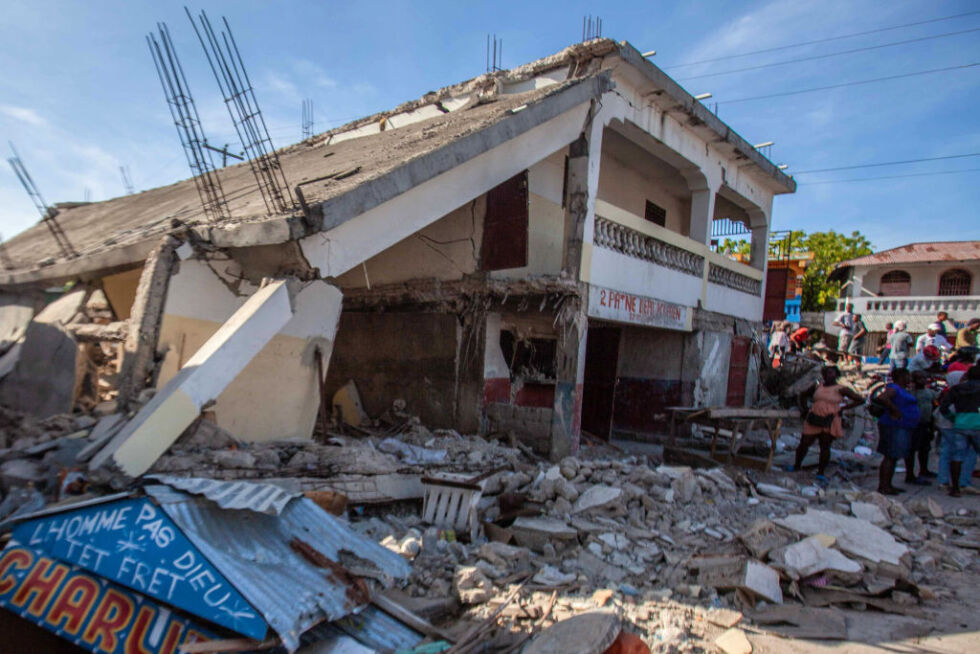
point(911, 409)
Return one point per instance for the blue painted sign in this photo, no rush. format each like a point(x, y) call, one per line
point(87, 610)
point(134, 543)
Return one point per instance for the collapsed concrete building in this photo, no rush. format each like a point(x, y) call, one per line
point(526, 251)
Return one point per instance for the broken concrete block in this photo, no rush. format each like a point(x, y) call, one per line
point(762, 536)
point(810, 556)
point(551, 576)
point(347, 406)
point(597, 497)
point(854, 536)
point(238, 459)
point(584, 633)
point(45, 379)
point(535, 533)
point(870, 512)
point(471, 585)
point(734, 641)
point(748, 575)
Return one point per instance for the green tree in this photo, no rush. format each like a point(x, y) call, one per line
point(732, 246)
point(829, 249)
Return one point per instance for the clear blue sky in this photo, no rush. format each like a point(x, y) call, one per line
point(79, 95)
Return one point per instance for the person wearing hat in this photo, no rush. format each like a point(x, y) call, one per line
point(967, 337)
point(932, 337)
point(899, 346)
point(925, 361)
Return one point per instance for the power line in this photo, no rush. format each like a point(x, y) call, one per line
point(855, 83)
point(887, 163)
point(866, 179)
point(825, 40)
point(832, 54)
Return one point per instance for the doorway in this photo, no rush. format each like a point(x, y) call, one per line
point(599, 388)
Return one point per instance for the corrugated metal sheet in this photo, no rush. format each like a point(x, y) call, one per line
point(264, 498)
point(920, 253)
point(253, 551)
point(371, 627)
point(53, 509)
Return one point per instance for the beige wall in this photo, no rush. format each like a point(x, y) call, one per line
point(120, 290)
point(925, 277)
point(446, 250)
point(628, 188)
point(275, 396)
point(546, 220)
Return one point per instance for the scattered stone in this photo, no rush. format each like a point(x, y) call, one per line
point(741, 573)
point(597, 497)
point(854, 536)
point(870, 512)
point(734, 641)
point(535, 533)
point(471, 585)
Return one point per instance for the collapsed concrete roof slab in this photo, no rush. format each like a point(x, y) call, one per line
point(361, 165)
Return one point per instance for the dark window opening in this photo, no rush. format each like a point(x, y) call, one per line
point(532, 359)
point(505, 226)
point(895, 283)
point(954, 282)
point(656, 214)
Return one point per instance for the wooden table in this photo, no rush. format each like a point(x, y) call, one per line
point(733, 423)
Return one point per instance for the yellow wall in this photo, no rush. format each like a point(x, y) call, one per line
point(274, 397)
point(120, 290)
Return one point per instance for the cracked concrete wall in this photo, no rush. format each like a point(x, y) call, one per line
point(446, 250)
point(276, 395)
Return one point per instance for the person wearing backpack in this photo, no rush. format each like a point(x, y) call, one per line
point(895, 425)
point(964, 399)
point(822, 421)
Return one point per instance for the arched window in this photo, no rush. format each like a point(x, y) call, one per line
point(954, 282)
point(895, 283)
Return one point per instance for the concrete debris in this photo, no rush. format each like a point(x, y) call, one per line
point(869, 512)
point(471, 585)
point(668, 548)
point(854, 536)
point(810, 556)
point(597, 497)
point(734, 641)
point(744, 574)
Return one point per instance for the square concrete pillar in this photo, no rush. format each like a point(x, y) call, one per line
point(566, 421)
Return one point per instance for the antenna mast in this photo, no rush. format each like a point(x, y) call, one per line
point(47, 213)
point(188, 123)
point(307, 118)
point(127, 182)
point(243, 108)
point(495, 53)
point(591, 28)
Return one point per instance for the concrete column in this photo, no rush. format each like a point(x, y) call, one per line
point(566, 421)
point(760, 247)
point(581, 188)
point(856, 289)
point(139, 350)
point(702, 213)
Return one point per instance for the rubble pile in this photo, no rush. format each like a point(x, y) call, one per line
point(678, 552)
point(687, 558)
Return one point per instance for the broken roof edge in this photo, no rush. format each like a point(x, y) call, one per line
point(412, 172)
point(697, 110)
point(481, 83)
point(868, 259)
point(81, 268)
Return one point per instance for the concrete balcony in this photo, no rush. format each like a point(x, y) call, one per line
point(967, 305)
point(633, 255)
point(916, 311)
